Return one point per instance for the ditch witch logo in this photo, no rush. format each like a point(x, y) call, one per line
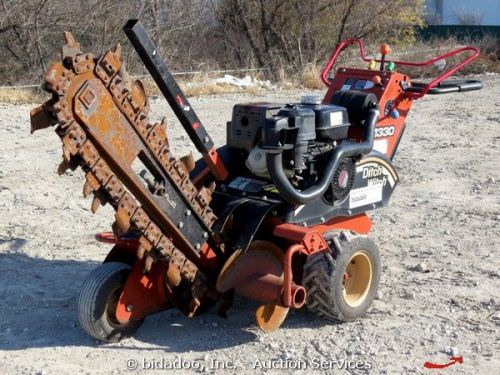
point(375, 176)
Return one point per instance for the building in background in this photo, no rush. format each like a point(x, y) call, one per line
point(463, 12)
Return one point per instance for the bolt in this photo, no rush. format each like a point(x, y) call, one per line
point(322, 219)
point(130, 308)
point(205, 235)
point(197, 246)
point(349, 212)
point(264, 197)
point(187, 213)
point(304, 224)
point(206, 139)
point(181, 225)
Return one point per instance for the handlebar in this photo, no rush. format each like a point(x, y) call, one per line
point(424, 88)
point(448, 86)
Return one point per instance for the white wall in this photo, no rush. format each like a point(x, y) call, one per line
point(488, 9)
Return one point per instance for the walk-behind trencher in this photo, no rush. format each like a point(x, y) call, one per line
point(278, 214)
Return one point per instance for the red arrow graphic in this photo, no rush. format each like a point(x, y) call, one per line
point(452, 362)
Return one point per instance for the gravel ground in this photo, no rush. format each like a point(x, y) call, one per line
point(439, 242)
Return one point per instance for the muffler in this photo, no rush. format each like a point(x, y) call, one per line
point(258, 274)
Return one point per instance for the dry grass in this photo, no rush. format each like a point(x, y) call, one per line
point(309, 78)
point(201, 85)
point(21, 95)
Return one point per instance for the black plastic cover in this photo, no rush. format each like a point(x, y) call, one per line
point(332, 121)
point(246, 123)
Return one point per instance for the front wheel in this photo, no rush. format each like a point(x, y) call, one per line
point(342, 284)
point(98, 300)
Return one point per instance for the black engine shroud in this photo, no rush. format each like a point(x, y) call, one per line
point(306, 134)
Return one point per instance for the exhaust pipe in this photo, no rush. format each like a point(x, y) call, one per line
point(258, 275)
point(270, 288)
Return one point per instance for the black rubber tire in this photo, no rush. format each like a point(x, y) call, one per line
point(101, 288)
point(324, 272)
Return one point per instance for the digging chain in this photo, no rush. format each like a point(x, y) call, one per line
point(64, 80)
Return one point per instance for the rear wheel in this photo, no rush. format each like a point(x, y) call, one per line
point(342, 284)
point(98, 300)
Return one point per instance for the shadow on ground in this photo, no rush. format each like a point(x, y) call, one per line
point(39, 299)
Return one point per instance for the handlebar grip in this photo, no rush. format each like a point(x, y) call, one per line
point(448, 86)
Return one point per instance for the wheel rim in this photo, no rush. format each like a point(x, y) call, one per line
point(357, 278)
point(111, 306)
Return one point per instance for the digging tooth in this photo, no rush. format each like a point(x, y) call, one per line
point(140, 251)
point(69, 39)
point(193, 307)
point(41, 117)
point(66, 153)
point(63, 167)
point(164, 126)
point(148, 263)
point(188, 162)
point(96, 203)
point(87, 189)
point(122, 222)
point(117, 50)
point(173, 275)
point(212, 187)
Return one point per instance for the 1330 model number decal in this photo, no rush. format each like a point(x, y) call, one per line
point(384, 131)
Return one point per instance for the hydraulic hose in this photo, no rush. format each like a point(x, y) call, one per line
point(296, 197)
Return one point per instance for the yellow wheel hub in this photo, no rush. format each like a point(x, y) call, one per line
point(357, 278)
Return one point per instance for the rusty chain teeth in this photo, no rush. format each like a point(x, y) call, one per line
point(66, 80)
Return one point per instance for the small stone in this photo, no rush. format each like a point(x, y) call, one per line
point(286, 355)
point(450, 350)
point(379, 295)
point(409, 296)
point(422, 267)
point(215, 325)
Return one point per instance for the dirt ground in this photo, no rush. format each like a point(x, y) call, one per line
point(439, 242)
